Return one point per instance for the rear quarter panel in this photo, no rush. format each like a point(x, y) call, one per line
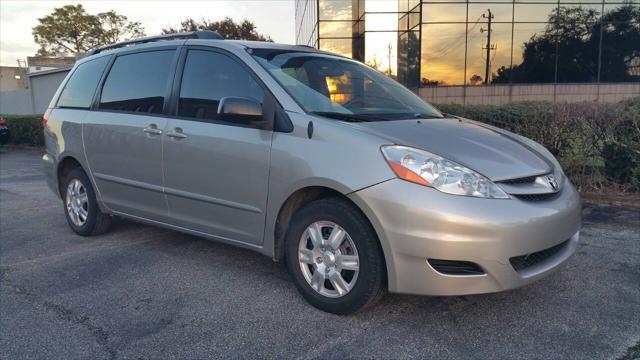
point(62, 139)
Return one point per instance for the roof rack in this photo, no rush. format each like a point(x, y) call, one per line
point(202, 34)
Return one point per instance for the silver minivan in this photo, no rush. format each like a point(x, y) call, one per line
point(309, 158)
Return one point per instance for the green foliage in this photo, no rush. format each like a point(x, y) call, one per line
point(115, 28)
point(597, 144)
point(69, 29)
point(227, 28)
point(618, 162)
point(25, 129)
point(621, 150)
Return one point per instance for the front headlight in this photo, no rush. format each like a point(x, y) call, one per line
point(431, 170)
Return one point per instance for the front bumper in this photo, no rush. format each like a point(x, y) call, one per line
point(416, 223)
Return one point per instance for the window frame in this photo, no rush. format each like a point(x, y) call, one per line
point(168, 86)
point(270, 104)
point(95, 91)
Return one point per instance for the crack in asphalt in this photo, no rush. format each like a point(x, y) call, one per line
point(99, 334)
point(62, 256)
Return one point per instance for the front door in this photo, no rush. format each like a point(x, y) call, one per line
point(216, 173)
point(123, 139)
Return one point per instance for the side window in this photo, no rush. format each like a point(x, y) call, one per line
point(79, 90)
point(137, 82)
point(208, 77)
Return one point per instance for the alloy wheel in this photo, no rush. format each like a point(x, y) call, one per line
point(77, 203)
point(328, 259)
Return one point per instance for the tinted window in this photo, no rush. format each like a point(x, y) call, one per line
point(210, 76)
point(79, 90)
point(138, 82)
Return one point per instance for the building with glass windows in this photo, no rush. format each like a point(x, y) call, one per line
point(519, 49)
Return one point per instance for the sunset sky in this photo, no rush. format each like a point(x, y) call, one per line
point(17, 18)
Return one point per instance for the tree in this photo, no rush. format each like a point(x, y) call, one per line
point(424, 82)
point(573, 35)
point(117, 28)
point(374, 63)
point(475, 79)
point(69, 29)
point(620, 39)
point(227, 28)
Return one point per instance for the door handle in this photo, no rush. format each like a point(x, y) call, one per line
point(152, 129)
point(176, 133)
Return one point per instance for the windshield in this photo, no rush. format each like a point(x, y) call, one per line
point(341, 88)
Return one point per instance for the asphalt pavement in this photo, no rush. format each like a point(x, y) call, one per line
point(140, 292)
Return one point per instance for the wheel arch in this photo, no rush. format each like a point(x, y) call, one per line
point(69, 162)
point(298, 199)
point(65, 165)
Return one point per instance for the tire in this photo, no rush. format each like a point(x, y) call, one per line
point(95, 221)
point(364, 286)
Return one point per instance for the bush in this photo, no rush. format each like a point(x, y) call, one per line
point(598, 145)
point(25, 129)
point(618, 163)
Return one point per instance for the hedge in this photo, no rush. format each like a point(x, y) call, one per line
point(598, 145)
point(25, 129)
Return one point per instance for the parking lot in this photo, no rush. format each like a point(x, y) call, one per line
point(148, 293)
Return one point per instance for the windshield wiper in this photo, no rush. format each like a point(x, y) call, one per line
point(347, 117)
point(428, 116)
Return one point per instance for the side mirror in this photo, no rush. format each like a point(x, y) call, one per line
point(242, 111)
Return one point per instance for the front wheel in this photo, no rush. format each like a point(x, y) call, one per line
point(334, 257)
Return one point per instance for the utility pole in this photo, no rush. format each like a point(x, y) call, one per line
point(489, 47)
point(389, 48)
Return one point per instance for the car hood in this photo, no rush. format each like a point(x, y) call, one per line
point(496, 154)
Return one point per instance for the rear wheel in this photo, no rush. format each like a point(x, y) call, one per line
point(334, 257)
point(81, 207)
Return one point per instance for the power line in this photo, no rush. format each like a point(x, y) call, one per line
point(437, 54)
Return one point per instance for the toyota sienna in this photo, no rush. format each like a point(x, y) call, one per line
point(309, 158)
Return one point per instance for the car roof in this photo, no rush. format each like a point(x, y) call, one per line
point(260, 45)
point(271, 45)
point(204, 38)
point(240, 44)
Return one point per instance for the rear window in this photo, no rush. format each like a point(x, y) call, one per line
point(138, 82)
point(79, 90)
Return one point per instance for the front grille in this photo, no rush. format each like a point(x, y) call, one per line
point(537, 197)
point(524, 180)
point(524, 262)
point(454, 267)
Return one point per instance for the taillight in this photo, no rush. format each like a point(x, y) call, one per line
point(3, 122)
point(45, 118)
